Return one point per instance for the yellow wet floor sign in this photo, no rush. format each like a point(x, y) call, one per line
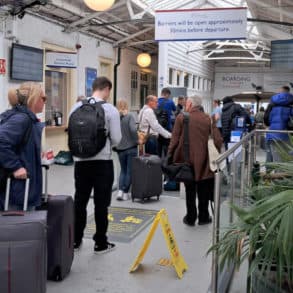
point(177, 260)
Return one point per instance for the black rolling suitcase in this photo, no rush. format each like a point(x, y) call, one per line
point(146, 177)
point(60, 232)
point(23, 249)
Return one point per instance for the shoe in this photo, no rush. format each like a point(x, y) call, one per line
point(119, 195)
point(125, 196)
point(99, 249)
point(208, 221)
point(77, 245)
point(187, 223)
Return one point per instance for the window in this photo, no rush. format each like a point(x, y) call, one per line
point(186, 79)
point(154, 83)
point(199, 84)
point(144, 77)
point(133, 87)
point(194, 82)
point(170, 76)
point(178, 78)
point(56, 91)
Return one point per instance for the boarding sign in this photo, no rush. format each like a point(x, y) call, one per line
point(200, 24)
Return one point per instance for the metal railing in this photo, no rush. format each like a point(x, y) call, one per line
point(241, 156)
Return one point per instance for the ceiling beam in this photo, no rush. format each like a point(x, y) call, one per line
point(133, 36)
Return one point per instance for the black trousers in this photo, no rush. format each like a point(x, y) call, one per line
point(205, 191)
point(97, 175)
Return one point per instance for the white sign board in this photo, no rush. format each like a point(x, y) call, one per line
point(274, 81)
point(60, 59)
point(200, 24)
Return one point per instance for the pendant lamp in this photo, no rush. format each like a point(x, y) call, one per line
point(144, 59)
point(99, 5)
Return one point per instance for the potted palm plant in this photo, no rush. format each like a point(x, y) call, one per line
point(263, 234)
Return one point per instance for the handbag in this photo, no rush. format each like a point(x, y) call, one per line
point(142, 136)
point(214, 153)
point(180, 172)
point(64, 158)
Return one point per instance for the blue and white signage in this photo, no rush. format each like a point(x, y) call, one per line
point(200, 24)
point(60, 59)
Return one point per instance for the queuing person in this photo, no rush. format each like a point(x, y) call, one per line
point(259, 116)
point(280, 112)
point(97, 173)
point(229, 111)
point(168, 106)
point(127, 149)
point(217, 113)
point(180, 105)
point(20, 145)
point(148, 123)
point(203, 184)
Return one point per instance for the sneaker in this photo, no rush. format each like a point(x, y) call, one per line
point(125, 196)
point(99, 249)
point(119, 195)
point(77, 246)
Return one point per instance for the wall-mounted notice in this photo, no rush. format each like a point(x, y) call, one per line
point(282, 54)
point(61, 59)
point(201, 24)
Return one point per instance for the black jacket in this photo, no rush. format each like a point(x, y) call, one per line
point(229, 111)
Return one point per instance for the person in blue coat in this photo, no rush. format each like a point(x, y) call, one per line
point(282, 110)
point(20, 145)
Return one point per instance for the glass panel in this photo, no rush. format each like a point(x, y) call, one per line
point(170, 76)
point(56, 91)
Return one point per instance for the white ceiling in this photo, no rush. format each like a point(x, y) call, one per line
point(130, 23)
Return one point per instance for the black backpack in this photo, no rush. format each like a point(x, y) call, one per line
point(162, 114)
point(86, 129)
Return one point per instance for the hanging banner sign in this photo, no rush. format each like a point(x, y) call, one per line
point(201, 24)
point(60, 59)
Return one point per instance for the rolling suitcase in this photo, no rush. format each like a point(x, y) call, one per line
point(60, 232)
point(146, 177)
point(23, 249)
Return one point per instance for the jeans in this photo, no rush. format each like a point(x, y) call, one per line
point(205, 192)
point(125, 158)
point(97, 175)
point(272, 151)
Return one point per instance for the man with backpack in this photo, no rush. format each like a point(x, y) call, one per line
point(278, 116)
point(94, 128)
point(164, 113)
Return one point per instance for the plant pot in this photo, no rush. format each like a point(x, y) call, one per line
point(264, 284)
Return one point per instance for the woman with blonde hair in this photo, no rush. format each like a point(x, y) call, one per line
point(126, 149)
point(20, 145)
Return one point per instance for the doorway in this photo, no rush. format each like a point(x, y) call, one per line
point(143, 94)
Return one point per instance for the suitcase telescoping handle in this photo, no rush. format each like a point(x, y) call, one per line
point(140, 150)
point(7, 193)
point(46, 167)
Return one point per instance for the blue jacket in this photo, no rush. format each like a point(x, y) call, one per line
point(279, 116)
point(14, 155)
point(169, 106)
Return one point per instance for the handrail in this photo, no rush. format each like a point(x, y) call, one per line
point(216, 223)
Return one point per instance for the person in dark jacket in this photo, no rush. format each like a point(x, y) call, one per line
point(229, 111)
point(20, 144)
point(127, 149)
point(279, 117)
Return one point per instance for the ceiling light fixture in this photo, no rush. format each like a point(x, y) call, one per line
point(144, 59)
point(99, 5)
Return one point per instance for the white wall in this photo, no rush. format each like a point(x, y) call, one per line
point(88, 55)
point(174, 55)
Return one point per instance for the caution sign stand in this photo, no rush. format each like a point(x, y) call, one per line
point(177, 260)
